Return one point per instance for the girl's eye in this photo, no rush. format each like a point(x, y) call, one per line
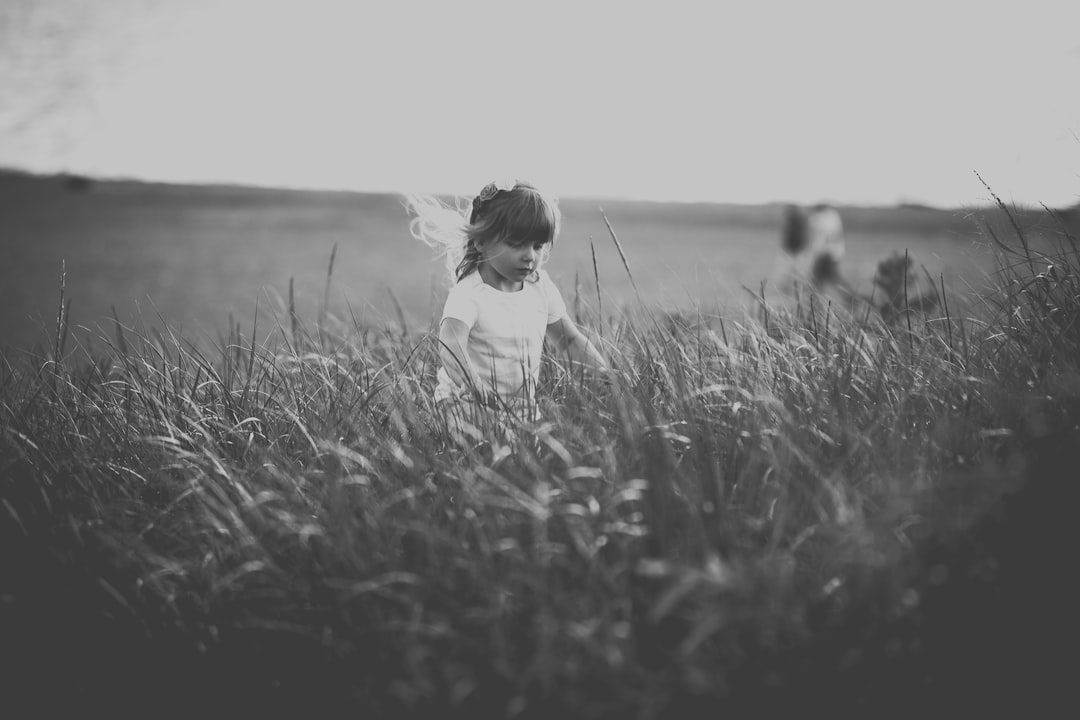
point(539, 246)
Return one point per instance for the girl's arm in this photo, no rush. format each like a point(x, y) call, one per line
point(453, 339)
point(565, 334)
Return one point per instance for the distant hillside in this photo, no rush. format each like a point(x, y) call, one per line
point(907, 217)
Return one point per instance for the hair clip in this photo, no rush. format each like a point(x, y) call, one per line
point(491, 190)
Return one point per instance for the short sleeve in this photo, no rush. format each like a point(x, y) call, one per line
point(460, 304)
point(556, 308)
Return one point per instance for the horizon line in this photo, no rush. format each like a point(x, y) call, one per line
point(339, 189)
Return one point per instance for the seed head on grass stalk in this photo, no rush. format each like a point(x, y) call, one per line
point(596, 276)
point(292, 316)
point(626, 264)
point(622, 255)
point(326, 296)
point(1012, 220)
point(62, 315)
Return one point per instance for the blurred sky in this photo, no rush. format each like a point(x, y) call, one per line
point(850, 102)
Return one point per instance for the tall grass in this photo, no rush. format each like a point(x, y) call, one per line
point(286, 517)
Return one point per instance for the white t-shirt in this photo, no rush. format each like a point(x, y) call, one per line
point(506, 334)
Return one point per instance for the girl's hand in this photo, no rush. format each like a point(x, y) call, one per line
point(565, 334)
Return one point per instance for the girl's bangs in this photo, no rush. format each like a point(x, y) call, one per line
point(532, 222)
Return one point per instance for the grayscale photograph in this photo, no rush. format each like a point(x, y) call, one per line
point(527, 360)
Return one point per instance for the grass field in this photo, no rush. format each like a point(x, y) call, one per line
point(779, 514)
point(195, 255)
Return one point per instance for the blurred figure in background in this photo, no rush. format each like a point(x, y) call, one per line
point(900, 289)
point(813, 243)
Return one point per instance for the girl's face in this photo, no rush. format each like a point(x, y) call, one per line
point(505, 266)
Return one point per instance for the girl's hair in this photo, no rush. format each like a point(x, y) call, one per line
point(515, 212)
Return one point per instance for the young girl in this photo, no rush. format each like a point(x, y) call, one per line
point(502, 305)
